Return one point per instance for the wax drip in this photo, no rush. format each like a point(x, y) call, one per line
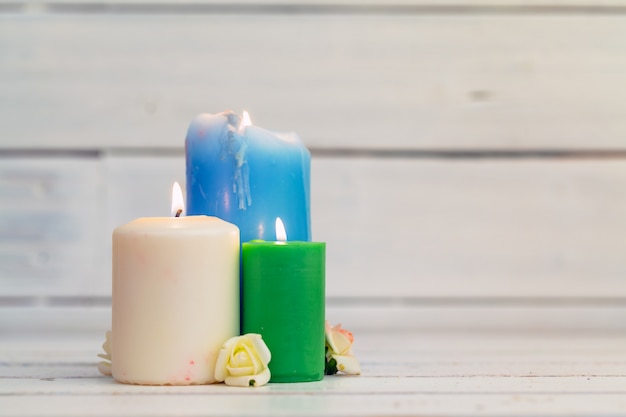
point(234, 145)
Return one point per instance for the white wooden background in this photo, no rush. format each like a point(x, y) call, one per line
point(469, 158)
point(468, 176)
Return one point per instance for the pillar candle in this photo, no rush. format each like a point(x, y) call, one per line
point(283, 300)
point(248, 176)
point(175, 298)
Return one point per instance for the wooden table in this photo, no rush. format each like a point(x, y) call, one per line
point(453, 373)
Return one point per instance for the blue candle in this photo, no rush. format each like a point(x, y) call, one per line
point(248, 176)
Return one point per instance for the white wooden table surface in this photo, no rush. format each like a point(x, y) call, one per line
point(456, 373)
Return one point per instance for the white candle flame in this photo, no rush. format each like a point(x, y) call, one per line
point(281, 234)
point(178, 204)
point(245, 120)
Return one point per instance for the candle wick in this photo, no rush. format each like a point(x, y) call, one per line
point(178, 212)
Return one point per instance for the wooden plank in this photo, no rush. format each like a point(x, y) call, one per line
point(571, 386)
point(421, 363)
point(588, 330)
point(424, 228)
point(402, 315)
point(589, 405)
point(442, 228)
point(416, 81)
point(249, 404)
point(50, 225)
point(437, 4)
point(408, 228)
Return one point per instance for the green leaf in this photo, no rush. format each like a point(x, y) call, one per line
point(330, 367)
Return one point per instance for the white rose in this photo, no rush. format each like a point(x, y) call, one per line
point(105, 366)
point(339, 355)
point(242, 361)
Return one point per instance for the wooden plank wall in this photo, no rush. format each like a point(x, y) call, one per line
point(464, 153)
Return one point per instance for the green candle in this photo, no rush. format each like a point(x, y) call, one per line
point(283, 300)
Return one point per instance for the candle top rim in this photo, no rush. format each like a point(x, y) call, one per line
point(233, 120)
point(190, 225)
point(281, 242)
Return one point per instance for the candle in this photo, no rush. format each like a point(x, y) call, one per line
point(175, 297)
point(248, 176)
point(283, 299)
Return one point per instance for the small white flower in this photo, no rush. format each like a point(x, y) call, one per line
point(339, 355)
point(105, 366)
point(242, 361)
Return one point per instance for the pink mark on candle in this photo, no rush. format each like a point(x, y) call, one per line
point(187, 378)
point(171, 275)
point(192, 362)
point(141, 258)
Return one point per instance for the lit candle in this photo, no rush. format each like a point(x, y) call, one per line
point(248, 176)
point(283, 300)
point(175, 297)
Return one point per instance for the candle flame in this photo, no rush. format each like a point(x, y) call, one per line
point(178, 204)
point(281, 234)
point(245, 120)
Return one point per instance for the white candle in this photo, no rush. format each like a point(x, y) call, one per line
point(175, 298)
